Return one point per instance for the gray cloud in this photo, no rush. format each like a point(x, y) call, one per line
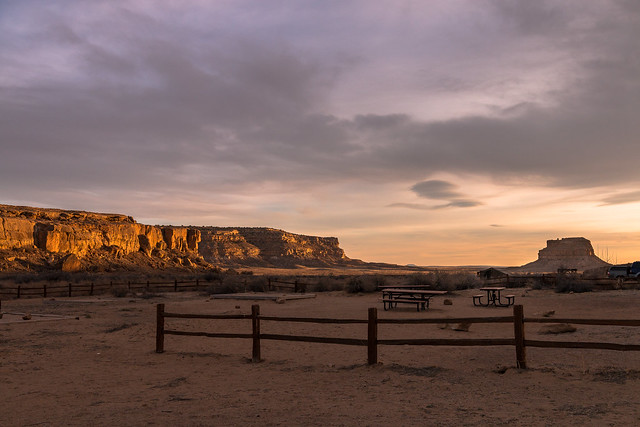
point(617, 199)
point(170, 99)
point(436, 189)
point(423, 207)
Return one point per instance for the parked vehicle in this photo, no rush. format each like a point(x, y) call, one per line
point(624, 270)
point(634, 271)
point(616, 271)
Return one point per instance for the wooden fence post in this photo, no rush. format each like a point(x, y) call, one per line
point(255, 323)
point(160, 328)
point(69, 289)
point(175, 285)
point(269, 279)
point(295, 286)
point(197, 283)
point(147, 285)
point(518, 329)
point(372, 342)
point(44, 291)
point(91, 290)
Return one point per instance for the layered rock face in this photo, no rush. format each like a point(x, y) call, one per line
point(567, 247)
point(34, 239)
point(569, 252)
point(268, 246)
point(46, 236)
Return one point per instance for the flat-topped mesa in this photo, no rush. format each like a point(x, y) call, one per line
point(566, 247)
point(37, 239)
point(567, 253)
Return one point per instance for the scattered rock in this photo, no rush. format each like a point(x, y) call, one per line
point(280, 300)
point(463, 327)
point(71, 263)
point(448, 302)
point(559, 328)
point(26, 317)
point(500, 369)
point(548, 313)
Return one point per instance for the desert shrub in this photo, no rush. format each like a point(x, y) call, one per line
point(565, 284)
point(361, 284)
point(119, 291)
point(257, 284)
point(327, 284)
point(322, 285)
point(422, 279)
point(212, 276)
point(439, 280)
point(379, 281)
point(541, 282)
point(223, 288)
point(354, 285)
point(147, 294)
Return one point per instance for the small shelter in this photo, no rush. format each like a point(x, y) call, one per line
point(492, 273)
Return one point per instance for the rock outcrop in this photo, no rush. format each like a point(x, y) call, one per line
point(268, 246)
point(44, 238)
point(567, 253)
point(36, 239)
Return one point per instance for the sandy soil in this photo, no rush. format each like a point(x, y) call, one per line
point(98, 367)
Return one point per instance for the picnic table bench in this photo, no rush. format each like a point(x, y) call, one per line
point(391, 297)
point(384, 287)
point(494, 297)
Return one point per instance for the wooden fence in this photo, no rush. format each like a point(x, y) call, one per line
point(295, 286)
point(79, 289)
point(372, 341)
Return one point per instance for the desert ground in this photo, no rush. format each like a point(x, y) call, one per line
point(98, 365)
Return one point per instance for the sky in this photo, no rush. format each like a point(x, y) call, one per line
point(441, 132)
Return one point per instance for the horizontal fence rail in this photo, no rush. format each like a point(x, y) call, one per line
point(89, 289)
point(295, 286)
point(372, 341)
point(83, 289)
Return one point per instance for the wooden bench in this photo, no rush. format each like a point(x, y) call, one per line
point(392, 302)
point(511, 299)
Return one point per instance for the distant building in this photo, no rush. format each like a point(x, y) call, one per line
point(492, 273)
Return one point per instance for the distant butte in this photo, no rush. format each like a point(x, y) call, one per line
point(568, 253)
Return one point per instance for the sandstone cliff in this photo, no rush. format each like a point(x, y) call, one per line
point(37, 239)
point(569, 252)
point(268, 246)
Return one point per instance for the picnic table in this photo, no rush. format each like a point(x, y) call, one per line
point(493, 297)
point(420, 297)
point(384, 287)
